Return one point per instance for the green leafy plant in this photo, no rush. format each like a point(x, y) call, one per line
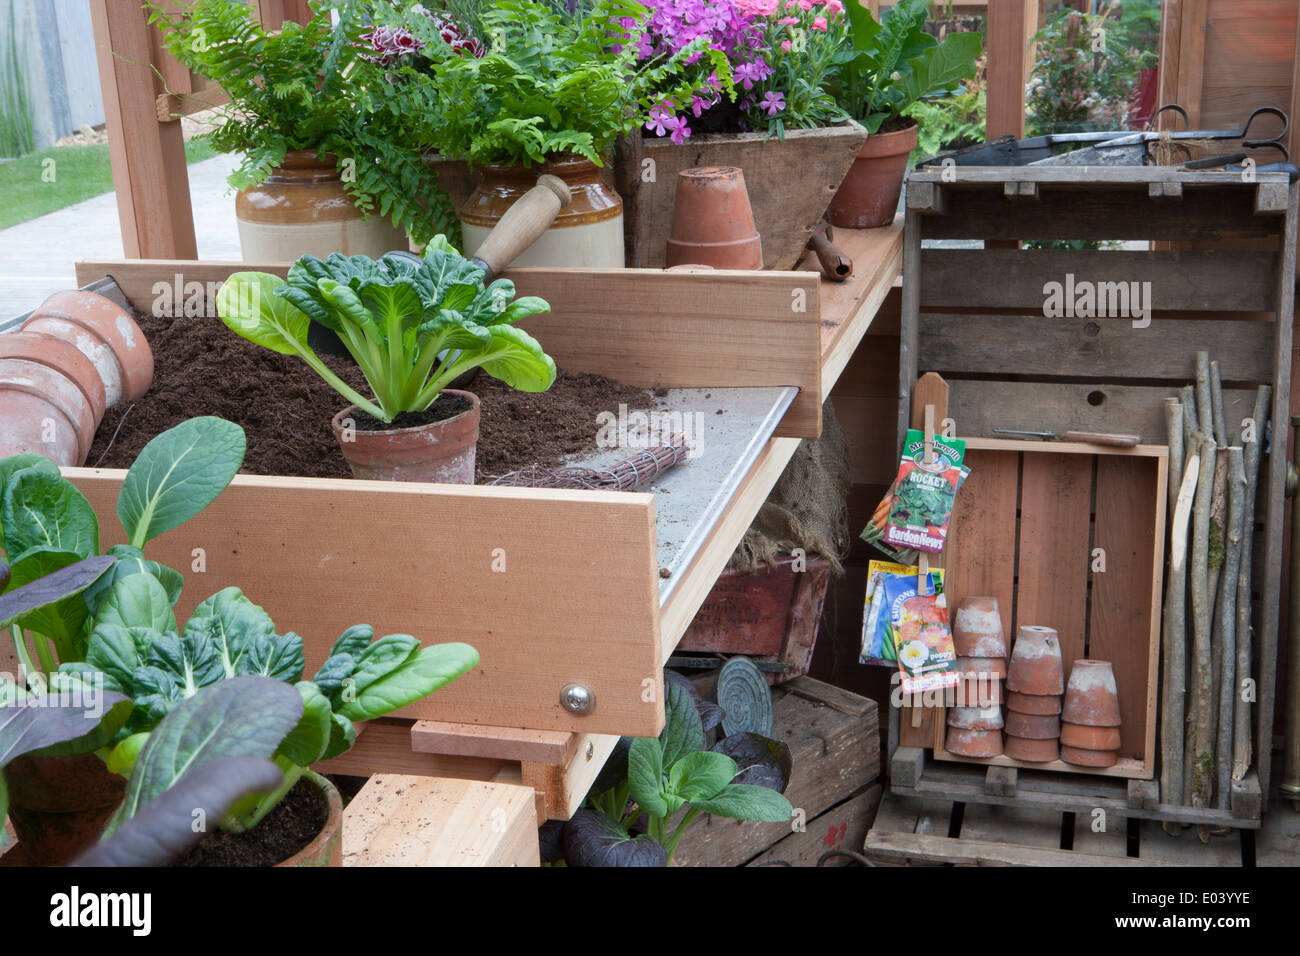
point(676, 773)
point(411, 327)
point(17, 138)
point(553, 83)
point(306, 87)
point(893, 62)
point(50, 534)
point(951, 122)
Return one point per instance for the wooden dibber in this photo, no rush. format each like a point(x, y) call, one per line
point(522, 225)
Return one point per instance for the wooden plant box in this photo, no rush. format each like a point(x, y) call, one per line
point(400, 820)
point(790, 185)
point(774, 612)
point(580, 597)
point(977, 318)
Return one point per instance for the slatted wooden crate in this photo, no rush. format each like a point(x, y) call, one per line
point(977, 317)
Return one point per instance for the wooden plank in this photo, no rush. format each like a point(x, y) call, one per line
point(1278, 838)
point(1221, 280)
point(835, 756)
point(639, 326)
point(843, 827)
point(907, 352)
point(1098, 349)
point(1110, 840)
point(1011, 25)
point(426, 821)
point(251, 537)
point(148, 157)
point(1012, 826)
point(980, 556)
point(1158, 848)
point(899, 847)
point(384, 746)
point(1098, 178)
point(1125, 601)
point(837, 698)
point(1191, 57)
point(566, 786)
point(981, 406)
point(500, 743)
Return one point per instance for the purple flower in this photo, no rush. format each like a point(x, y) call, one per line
point(661, 121)
point(773, 102)
point(681, 133)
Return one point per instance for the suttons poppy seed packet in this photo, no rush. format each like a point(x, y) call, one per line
point(923, 497)
point(878, 646)
point(926, 655)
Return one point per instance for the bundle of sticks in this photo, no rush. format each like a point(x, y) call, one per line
point(1205, 733)
point(624, 475)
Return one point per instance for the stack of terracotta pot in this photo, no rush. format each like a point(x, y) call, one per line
point(1035, 681)
point(713, 222)
point(1090, 718)
point(975, 723)
point(78, 355)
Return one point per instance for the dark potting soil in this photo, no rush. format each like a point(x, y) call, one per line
point(444, 407)
point(284, 831)
point(202, 368)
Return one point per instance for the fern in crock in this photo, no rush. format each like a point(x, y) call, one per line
point(305, 87)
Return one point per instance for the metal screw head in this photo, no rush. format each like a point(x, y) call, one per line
point(591, 751)
point(577, 698)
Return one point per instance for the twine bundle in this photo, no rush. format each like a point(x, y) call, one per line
point(624, 475)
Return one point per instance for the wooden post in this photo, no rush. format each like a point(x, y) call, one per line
point(149, 172)
point(1011, 27)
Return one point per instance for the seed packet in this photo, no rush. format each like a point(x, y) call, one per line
point(921, 506)
point(922, 636)
point(878, 646)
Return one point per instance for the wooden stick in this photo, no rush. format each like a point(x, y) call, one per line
point(1241, 737)
point(1203, 406)
point(1200, 757)
point(1225, 625)
point(1187, 395)
point(1175, 638)
point(1174, 427)
point(1216, 405)
point(1218, 520)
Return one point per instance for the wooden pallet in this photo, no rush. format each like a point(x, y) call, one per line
point(910, 831)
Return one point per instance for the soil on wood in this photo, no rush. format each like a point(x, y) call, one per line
point(284, 831)
point(202, 368)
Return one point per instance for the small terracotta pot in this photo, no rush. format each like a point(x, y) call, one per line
point(105, 333)
point(989, 667)
point(440, 451)
point(326, 848)
point(868, 197)
point(1092, 698)
point(974, 743)
point(1036, 662)
point(975, 718)
point(977, 628)
point(1034, 726)
point(713, 223)
point(60, 423)
point(60, 805)
point(1090, 738)
point(62, 356)
point(975, 691)
point(1032, 704)
point(1088, 758)
point(1032, 751)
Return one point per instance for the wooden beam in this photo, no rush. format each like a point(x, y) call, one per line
point(501, 743)
point(1011, 27)
point(148, 157)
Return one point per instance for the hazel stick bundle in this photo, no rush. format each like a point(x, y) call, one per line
point(1241, 737)
point(1225, 625)
point(1200, 755)
point(624, 475)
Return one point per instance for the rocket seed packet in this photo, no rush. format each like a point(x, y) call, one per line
point(921, 506)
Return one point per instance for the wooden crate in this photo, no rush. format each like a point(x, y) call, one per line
point(976, 317)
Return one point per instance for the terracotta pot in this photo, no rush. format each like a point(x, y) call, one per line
point(326, 848)
point(977, 628)
point(62, 356)
point(59, 806)
point(1036, 662)
point(1091, 699)
point(588, 233)
point(975, 690)
point(975, 718)
point(302, 209)
point(989, 667)
point(1088, 758)
point(868, 197)
point(1032, 751)
point(61, 419)
point(974, 743)
point(1033, 704)
point(440, 451)
point(106, 334)
point(713, 224)
point(1090, 738)
point(1034, 726)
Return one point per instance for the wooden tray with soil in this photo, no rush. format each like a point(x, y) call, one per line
point(551, 586)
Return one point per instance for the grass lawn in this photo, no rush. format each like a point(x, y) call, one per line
point(78, 172)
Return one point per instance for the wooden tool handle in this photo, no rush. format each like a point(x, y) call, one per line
point(523, 224)
point(1100, 438)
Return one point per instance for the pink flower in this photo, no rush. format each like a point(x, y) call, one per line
point(834, 8)
point(773, 102)
point(788, 21)
point(785, 45)
point(819, 24)
point(805, 4)
point(757, 8)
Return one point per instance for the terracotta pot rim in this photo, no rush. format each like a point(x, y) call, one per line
point(329, 831)
point(63, 357)
point(474, 408)
point(701, 139)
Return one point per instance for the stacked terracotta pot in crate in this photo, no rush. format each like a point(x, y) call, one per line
point(76, 356)
point(1035, 681)
point(1090, 720)
point(975, 725)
